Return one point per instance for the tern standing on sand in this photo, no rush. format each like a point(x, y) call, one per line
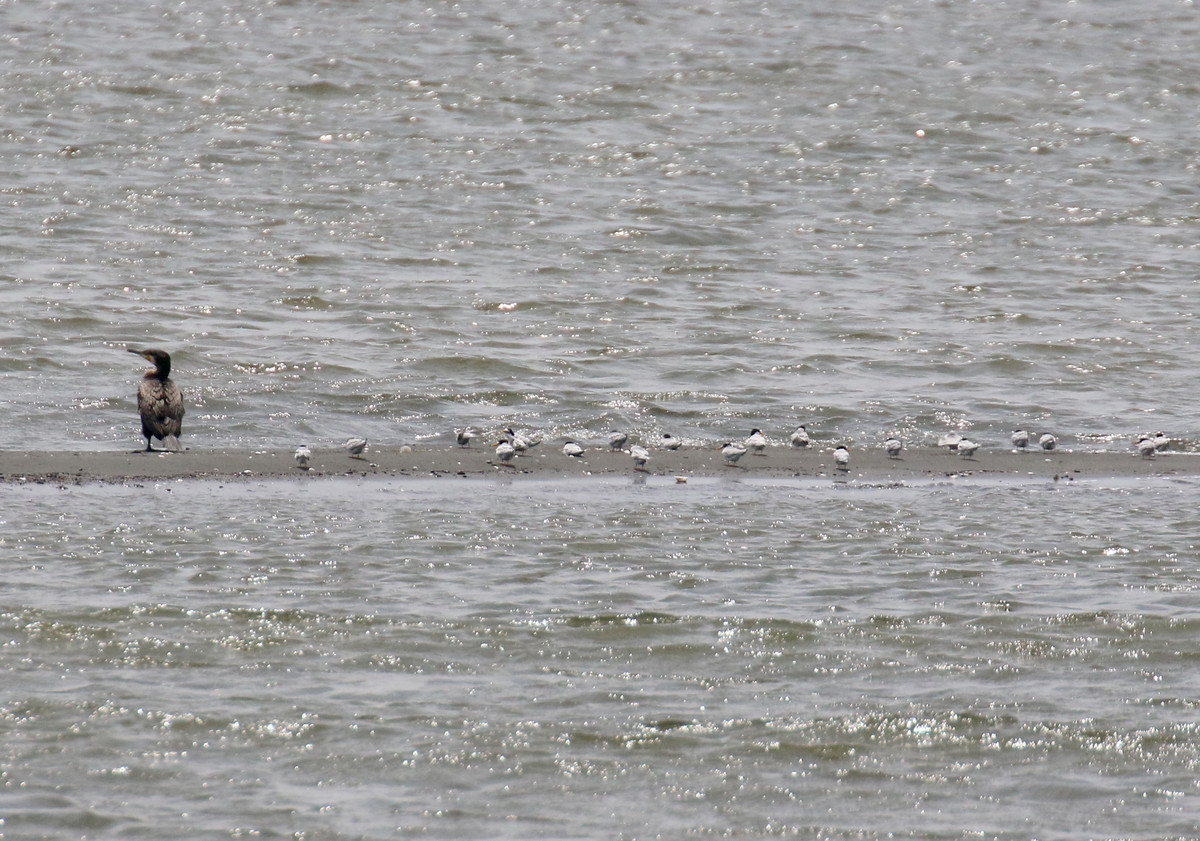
point(640, 456)
point(732, 453)
point(950, 440)
point(841, 457)
point(757, 442)
point(518, 442)
point(505, 453)
point(800, 437)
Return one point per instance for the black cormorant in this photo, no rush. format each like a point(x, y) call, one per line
point(159, 401)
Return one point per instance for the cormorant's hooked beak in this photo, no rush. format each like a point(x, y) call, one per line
point(145, 354)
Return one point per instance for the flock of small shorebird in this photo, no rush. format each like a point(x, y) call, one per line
point(512, 445)
point(160, 405)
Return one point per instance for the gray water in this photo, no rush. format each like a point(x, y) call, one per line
point(392, 219)
point(388, 219)
point(591, 658)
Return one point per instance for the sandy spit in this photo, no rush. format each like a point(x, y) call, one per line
point(547, 461)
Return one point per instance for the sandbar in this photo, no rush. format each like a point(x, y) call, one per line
point(547, 461)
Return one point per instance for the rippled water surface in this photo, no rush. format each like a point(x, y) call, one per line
point(389, 218)
point(392, 219)
point(597, 659)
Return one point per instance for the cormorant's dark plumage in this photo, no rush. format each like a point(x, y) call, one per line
point(159, 401)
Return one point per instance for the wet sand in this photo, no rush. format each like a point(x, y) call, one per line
point(547, 461)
